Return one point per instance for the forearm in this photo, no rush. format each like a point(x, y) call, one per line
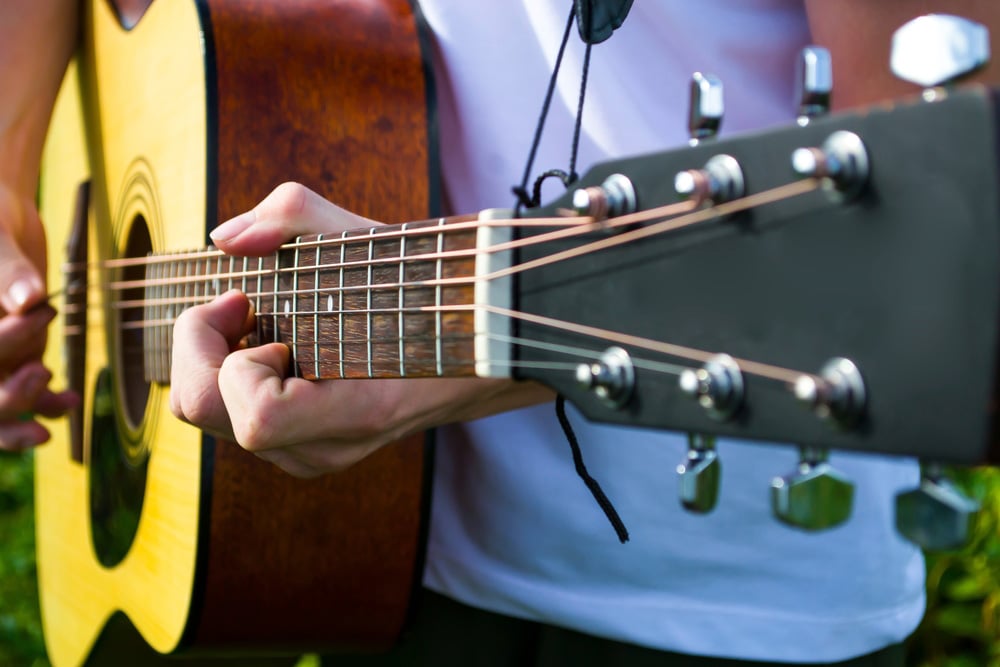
point(859, 36)
point(37, 38)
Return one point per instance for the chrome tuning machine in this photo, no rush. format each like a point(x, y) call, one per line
point(816, 496)
point(837, 395)
point(611, 378)
point(699, 474)
point(935, 516)
point(720, 180)
point(937, 50)
point(614, 197)
point(717, 386)
point(841, 163)
point(814, 83)
point(706, 107)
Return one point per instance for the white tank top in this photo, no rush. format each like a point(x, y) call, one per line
point(513, 528)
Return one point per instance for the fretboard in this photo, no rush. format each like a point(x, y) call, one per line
point(359, 304)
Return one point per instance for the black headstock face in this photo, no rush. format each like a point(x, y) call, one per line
point(902, 279)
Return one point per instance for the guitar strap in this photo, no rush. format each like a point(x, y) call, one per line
point(596, 21)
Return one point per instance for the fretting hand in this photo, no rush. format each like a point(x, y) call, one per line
point(306, 428)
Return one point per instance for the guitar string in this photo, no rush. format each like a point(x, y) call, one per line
point(759, 369)
point(579, 227)
point(679, 222)
point(584, 353)
point(385, 232)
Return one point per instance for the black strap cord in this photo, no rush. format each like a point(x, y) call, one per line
point(524, 200)
point(581, 470)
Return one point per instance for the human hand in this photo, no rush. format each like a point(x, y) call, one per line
point(24, 318)
point(306, 428)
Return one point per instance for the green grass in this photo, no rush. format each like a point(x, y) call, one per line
point(20, 628)
point(961, 627)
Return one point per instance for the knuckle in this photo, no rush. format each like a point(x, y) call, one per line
point(254, 432)
point(286, 201)
point(193, 405)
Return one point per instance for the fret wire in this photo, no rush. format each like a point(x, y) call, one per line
point(399, 316)
point(260, 287)
point(340, 318)
point(218, 280)
point(295, 307)
point(437, 298)
point(194, 285)
point(368, 302)
point(209, 283)
point(274, 300)
point(147, 343)
point(319, 254)
point(168, 341)
point(158, 290)
point(184, 268)
point(243, 288)
point(232, 270)
point(157, 310)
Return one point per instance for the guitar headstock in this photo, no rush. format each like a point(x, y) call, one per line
point(851, 305)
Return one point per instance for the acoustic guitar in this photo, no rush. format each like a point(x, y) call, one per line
point(832, 284)
point(153, 538)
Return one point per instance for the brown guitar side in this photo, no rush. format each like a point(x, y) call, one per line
point(332, 94)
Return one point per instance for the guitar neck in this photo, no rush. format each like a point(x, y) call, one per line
point(386, 302)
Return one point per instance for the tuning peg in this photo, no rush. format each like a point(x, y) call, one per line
point(707, 107)
point(614, 197)
point(720, 180)
point(837, 395)
point(814, 82)
point(938, 49)
point(717, 386)
point(611, 378)
point(842, 163)
point(814, 497)
point(935, 515)
point(699, 474)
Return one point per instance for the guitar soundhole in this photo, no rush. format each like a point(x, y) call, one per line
point(134, 392)
point(117, 480)
point(119, 451)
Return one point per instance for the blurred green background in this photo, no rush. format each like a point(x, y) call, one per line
point(961, 627)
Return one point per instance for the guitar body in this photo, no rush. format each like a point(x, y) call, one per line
point(152, 537)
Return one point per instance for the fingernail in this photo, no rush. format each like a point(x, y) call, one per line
point(22, 292)
point(233, 227)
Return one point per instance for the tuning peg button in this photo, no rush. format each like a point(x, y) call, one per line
point(815, 497)
point(614, 197)
point(611, 378)
point(837, 395)
point(814, 82)
point(937, 49)
point(841, 162)
point(720, 180)
point(699, 474)
point(717, 386)
point(935, 516)
point(706, 107)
